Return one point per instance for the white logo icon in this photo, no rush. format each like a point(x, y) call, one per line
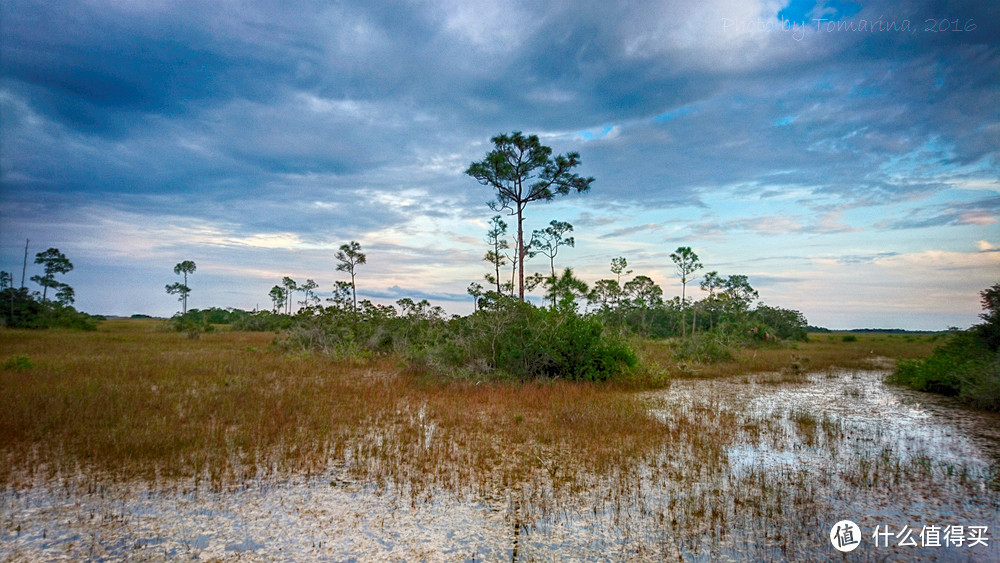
point(845, 536)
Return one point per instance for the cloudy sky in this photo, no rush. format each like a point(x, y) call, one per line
point(843, 155)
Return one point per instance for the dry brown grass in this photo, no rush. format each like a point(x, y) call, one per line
point(132, 401)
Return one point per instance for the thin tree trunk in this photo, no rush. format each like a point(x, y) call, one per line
point(552, 265)
point(496, 262)
point(683, 316)
point(520, 253)
point(354, 290)
point(24, 270)
point(513, 274)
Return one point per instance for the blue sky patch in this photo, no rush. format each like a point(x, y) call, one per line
point(799, 11)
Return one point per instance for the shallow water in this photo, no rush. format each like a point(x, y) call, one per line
point(785, 462)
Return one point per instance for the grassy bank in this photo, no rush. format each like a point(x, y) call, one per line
point(822, 352)
point(134, 401)
point(131, 400)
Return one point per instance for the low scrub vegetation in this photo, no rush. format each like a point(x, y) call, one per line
point(509, 339)
point(21, 309)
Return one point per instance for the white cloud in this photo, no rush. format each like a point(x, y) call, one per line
point(494, 26)
point(892, 290)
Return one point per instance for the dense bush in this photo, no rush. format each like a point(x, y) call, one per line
point(206, 320)
point(781, 324)
point(262, 321)
point(509, 339)
point(966, 366)
point(371, 330)
point(704, 347)
point(20, 309)
point(521, 340)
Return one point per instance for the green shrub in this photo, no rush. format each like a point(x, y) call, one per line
point(508, 339)
point(707, 348)
point(849, 338)
point(21, 309)
point(981, 383)
point(964, 367)
point(262, 321)
point(192, 323)
point(520, 340)
point(780, 324)
point(935, 375)
point(18, 362)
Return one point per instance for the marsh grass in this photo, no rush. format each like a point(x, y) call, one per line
point(136, 402)
point(132, 401)
point(822, 352)
point(654, 472)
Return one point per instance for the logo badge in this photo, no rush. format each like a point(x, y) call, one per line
point(845, 536)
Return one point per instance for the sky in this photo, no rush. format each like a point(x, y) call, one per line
point(845, 156)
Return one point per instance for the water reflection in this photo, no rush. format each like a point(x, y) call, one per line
point(759, 470)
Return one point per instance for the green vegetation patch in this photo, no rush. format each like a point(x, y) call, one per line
point(966, 366)
point(18, 362)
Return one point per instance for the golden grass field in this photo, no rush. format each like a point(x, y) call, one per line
point(133, 400)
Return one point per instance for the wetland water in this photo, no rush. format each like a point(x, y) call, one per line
point(768, 465)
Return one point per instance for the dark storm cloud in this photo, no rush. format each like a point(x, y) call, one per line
point(241, 84)
point(332, 120)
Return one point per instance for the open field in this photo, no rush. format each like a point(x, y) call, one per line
point(136, 402)
point(113, 439)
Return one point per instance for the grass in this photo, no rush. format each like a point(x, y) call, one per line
point(133, 402)
point(822, 352)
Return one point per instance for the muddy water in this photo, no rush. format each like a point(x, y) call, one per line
point(779, 464)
